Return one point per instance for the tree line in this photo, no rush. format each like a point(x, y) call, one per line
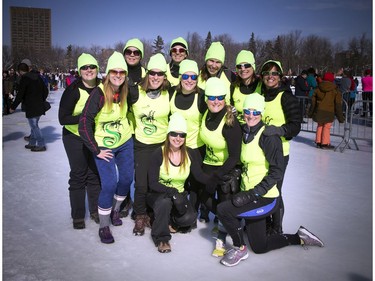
point(294, 51)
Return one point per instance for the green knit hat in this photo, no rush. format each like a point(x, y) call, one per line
point(157, 61)
point(86, 59)
point(188, 66)
point(180, 41)
point(275, 62)
point(254, 101)
point(246, 56)
point(215, 87)
point(177, 123)
point(216, 51)
point(136, 43)
point(116, 60)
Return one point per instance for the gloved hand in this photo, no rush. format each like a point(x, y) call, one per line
point(212, 184)
point(272, 130)
point(244, 197)
point(171, 191)
point(180, 202)
point(231, 181)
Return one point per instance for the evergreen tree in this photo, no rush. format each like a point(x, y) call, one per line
point(208, 41)
point(158, 45)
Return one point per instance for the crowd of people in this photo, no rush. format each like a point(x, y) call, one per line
point(191, 140)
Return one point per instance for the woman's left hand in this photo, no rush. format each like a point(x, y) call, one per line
point(105, 154)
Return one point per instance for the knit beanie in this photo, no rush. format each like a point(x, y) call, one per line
point(188, 66)
point(215, 51)
point(180, 41)
point(177, 123)
point(157, 61)
point(116, 60)
point(136, 43)
point(26, 61)
point(329, 76)
point(275, 62)
point(86, 59)
point(254, 101)
point(246, 57)
point(215, 87)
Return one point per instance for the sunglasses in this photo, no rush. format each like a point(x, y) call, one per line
point(115, 72)
point(212, 98)
point(136, 53)
point(269, 73)
point(254, 112)
point(244, 65)
point(175, 134)
point(178, 50)
point(85, 67)
point(186, 77)
point(153, 73)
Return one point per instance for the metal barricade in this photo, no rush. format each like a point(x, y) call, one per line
point(357, 125)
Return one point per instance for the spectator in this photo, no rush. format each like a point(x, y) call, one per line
point(70, 78)
point(311, 80)
point(7, 92)
point(302, 90)
point(367, 92)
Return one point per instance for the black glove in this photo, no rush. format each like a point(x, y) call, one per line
point(212, 184)
point(274, 131)
point(180, 202)
point(231, 182)
point(171, 191)
point(244, 197)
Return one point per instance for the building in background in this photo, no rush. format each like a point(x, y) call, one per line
point(30, 31)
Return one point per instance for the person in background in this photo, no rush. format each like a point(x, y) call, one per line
point(70, 78)
point(367, 92)
point(83, 175)
point(283, 116)
point(133, 54)
point(169, 169)
point(311, 80)
point(344, 87)
point(150, 104)
point(7, 92)
point(189, 100)
point(32, 93)
point(106, 132)
point(179, 50)
point(246, 81)
point(221, 132)
point(262, 159)
point(326, 103)
point(214, 67)
point(302, 90)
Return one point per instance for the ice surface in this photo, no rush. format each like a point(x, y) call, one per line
point(330, 193)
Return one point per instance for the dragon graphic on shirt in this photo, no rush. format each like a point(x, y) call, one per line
point(113, 129)
point(167, 182)
point(210, 155)
point(147, 121)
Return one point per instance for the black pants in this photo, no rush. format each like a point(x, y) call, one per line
point(83, 176)
point(142, 156)
point(165, 213)
point(367, 97)
point(259, 241)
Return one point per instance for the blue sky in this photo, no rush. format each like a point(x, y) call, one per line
point(105, 23)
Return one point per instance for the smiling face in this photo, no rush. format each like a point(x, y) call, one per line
point(88, 74)
point(117, 77)
point(155, 78)
point(176, 140)
point(216, 105)
point(213, 66)
point(245, 72)
point(188, 85)
point(251, 119)
point(132, 56)
point(178, 53)
point(271, 78)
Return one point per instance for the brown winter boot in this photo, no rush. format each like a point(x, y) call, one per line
point(140, 224)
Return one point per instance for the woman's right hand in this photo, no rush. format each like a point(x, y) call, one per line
point(105, 154)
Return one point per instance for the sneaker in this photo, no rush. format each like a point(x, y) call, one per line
point(29, 146)
point(219, 249)
point(95, 217)
point(115, 218)
point(234, 255)
point(139, 228)
point(308, 238)
point(79, 223)
point(106, 235)
point(38, 148)
point(164, 247)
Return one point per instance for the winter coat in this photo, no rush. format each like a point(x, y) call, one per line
point(326, 103)
point(32, 93)
point(301, 87)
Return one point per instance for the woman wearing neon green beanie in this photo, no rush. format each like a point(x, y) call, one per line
point(105, 130)
point(246, 82)
point(178, 51)
point(149, 102)
point(214, 67)
point(283, 118)
point(83, 175)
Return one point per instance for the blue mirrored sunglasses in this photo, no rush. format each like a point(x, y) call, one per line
point(254, 112)
point(212, 98)
point(186, 77)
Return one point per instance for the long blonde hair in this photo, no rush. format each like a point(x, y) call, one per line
point(166, 151)
point(108, 93)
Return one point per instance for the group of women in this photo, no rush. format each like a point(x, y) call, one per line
point(186, 137)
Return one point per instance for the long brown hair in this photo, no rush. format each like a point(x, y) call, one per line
point(108, 93)
point(144, 84)
point(166, 151)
